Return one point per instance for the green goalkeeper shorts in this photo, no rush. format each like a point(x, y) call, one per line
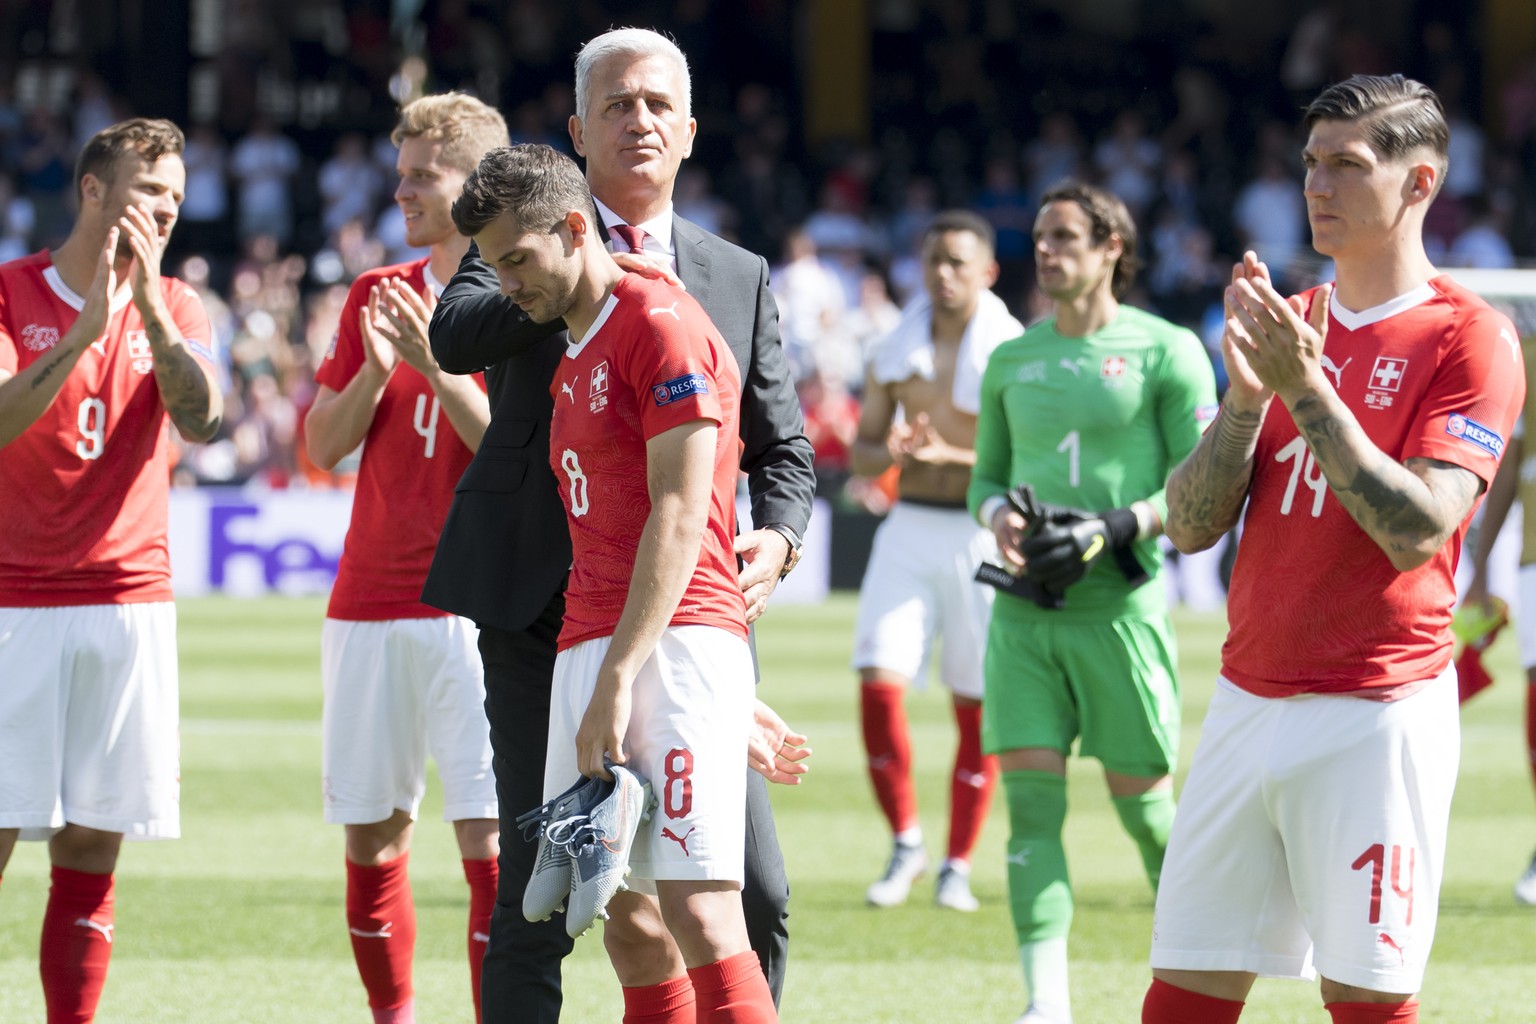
point(1110, 685)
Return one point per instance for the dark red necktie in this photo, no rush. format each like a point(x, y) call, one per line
point(632, 236)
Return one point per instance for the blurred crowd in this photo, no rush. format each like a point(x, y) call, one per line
point(977, 105)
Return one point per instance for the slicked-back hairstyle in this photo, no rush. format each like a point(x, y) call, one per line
point(961, 220)
point(535, 183)
point(1398, 115)
point(467, 127)
point(1107, 218)
point(630, 42)
point(149, 139)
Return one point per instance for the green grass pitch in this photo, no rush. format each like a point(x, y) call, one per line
point(241, 920)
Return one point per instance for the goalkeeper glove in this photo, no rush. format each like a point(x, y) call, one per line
point(1064, 548)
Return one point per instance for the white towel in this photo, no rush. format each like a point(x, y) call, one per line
point(908, 350)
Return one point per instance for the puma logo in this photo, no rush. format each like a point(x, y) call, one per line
point(1019, 858)
point(1337, 371)
point(565, 389)
point(680, 840)
point(880, 762)
point(1388, 940)
point(1067, 364)
point(666, 309)
point(480, 937)
point(95, 926)
point(382, 933)
point(973, 779)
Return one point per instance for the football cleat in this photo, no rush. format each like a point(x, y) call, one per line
point(1525, 888)
point(906, 866)
point(552, 824)
point(599, 847)
point(953, 890)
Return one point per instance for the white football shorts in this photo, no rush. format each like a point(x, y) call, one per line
point(395, 691)
point(919, 585)
point(1524, 614)
point(687, 736)
point(89, 727)
point(1310, 838)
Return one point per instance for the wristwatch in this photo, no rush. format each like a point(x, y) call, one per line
point(788, 533)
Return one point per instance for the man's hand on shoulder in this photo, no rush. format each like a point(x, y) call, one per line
point(645, 266)
point(764, 554)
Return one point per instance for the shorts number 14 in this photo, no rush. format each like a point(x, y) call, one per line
point(1401, 881)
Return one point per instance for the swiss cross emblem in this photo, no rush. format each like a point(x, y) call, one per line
point(1387, 374)
point(139, 352)
point(598, 393)
point(1112, 367)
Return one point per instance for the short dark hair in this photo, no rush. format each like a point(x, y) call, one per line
point(144, 137)
point(962, 220)
point(1398, 115)
point(1107, 218)
point(536, 183)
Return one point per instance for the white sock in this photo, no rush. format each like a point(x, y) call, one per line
point(1045, 978)
point(909, 837)
point(958, 866)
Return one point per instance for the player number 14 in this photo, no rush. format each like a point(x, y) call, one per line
point(1305, 471)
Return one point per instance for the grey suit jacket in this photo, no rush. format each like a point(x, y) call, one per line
point(504, 548)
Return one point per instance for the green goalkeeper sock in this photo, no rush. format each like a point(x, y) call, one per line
point(1148, 818)
point(1039, 892)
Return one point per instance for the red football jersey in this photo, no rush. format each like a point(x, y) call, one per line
point(652, 361)
point(412, 460)
point(86, 487)
point(1315, 606)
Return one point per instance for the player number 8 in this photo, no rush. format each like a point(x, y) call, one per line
point(572, 467)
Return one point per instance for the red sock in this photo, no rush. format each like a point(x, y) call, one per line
point(1530, 726)
point(971, 786)
point(733, 991)
point(76, 944)
point(1374, 1013)
point(1169, 1004)
point(671, 1002)
point(382, 920)
point(481, 875)
point(889, 748)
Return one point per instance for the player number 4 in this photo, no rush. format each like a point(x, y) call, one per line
point(1304, 471)
point(426, 422)
point(93, 428)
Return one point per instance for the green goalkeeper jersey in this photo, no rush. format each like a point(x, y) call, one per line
point(1094, 423)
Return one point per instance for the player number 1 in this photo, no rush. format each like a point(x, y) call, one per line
point(1072, 445)
point(93, 428)
point(572, 467)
